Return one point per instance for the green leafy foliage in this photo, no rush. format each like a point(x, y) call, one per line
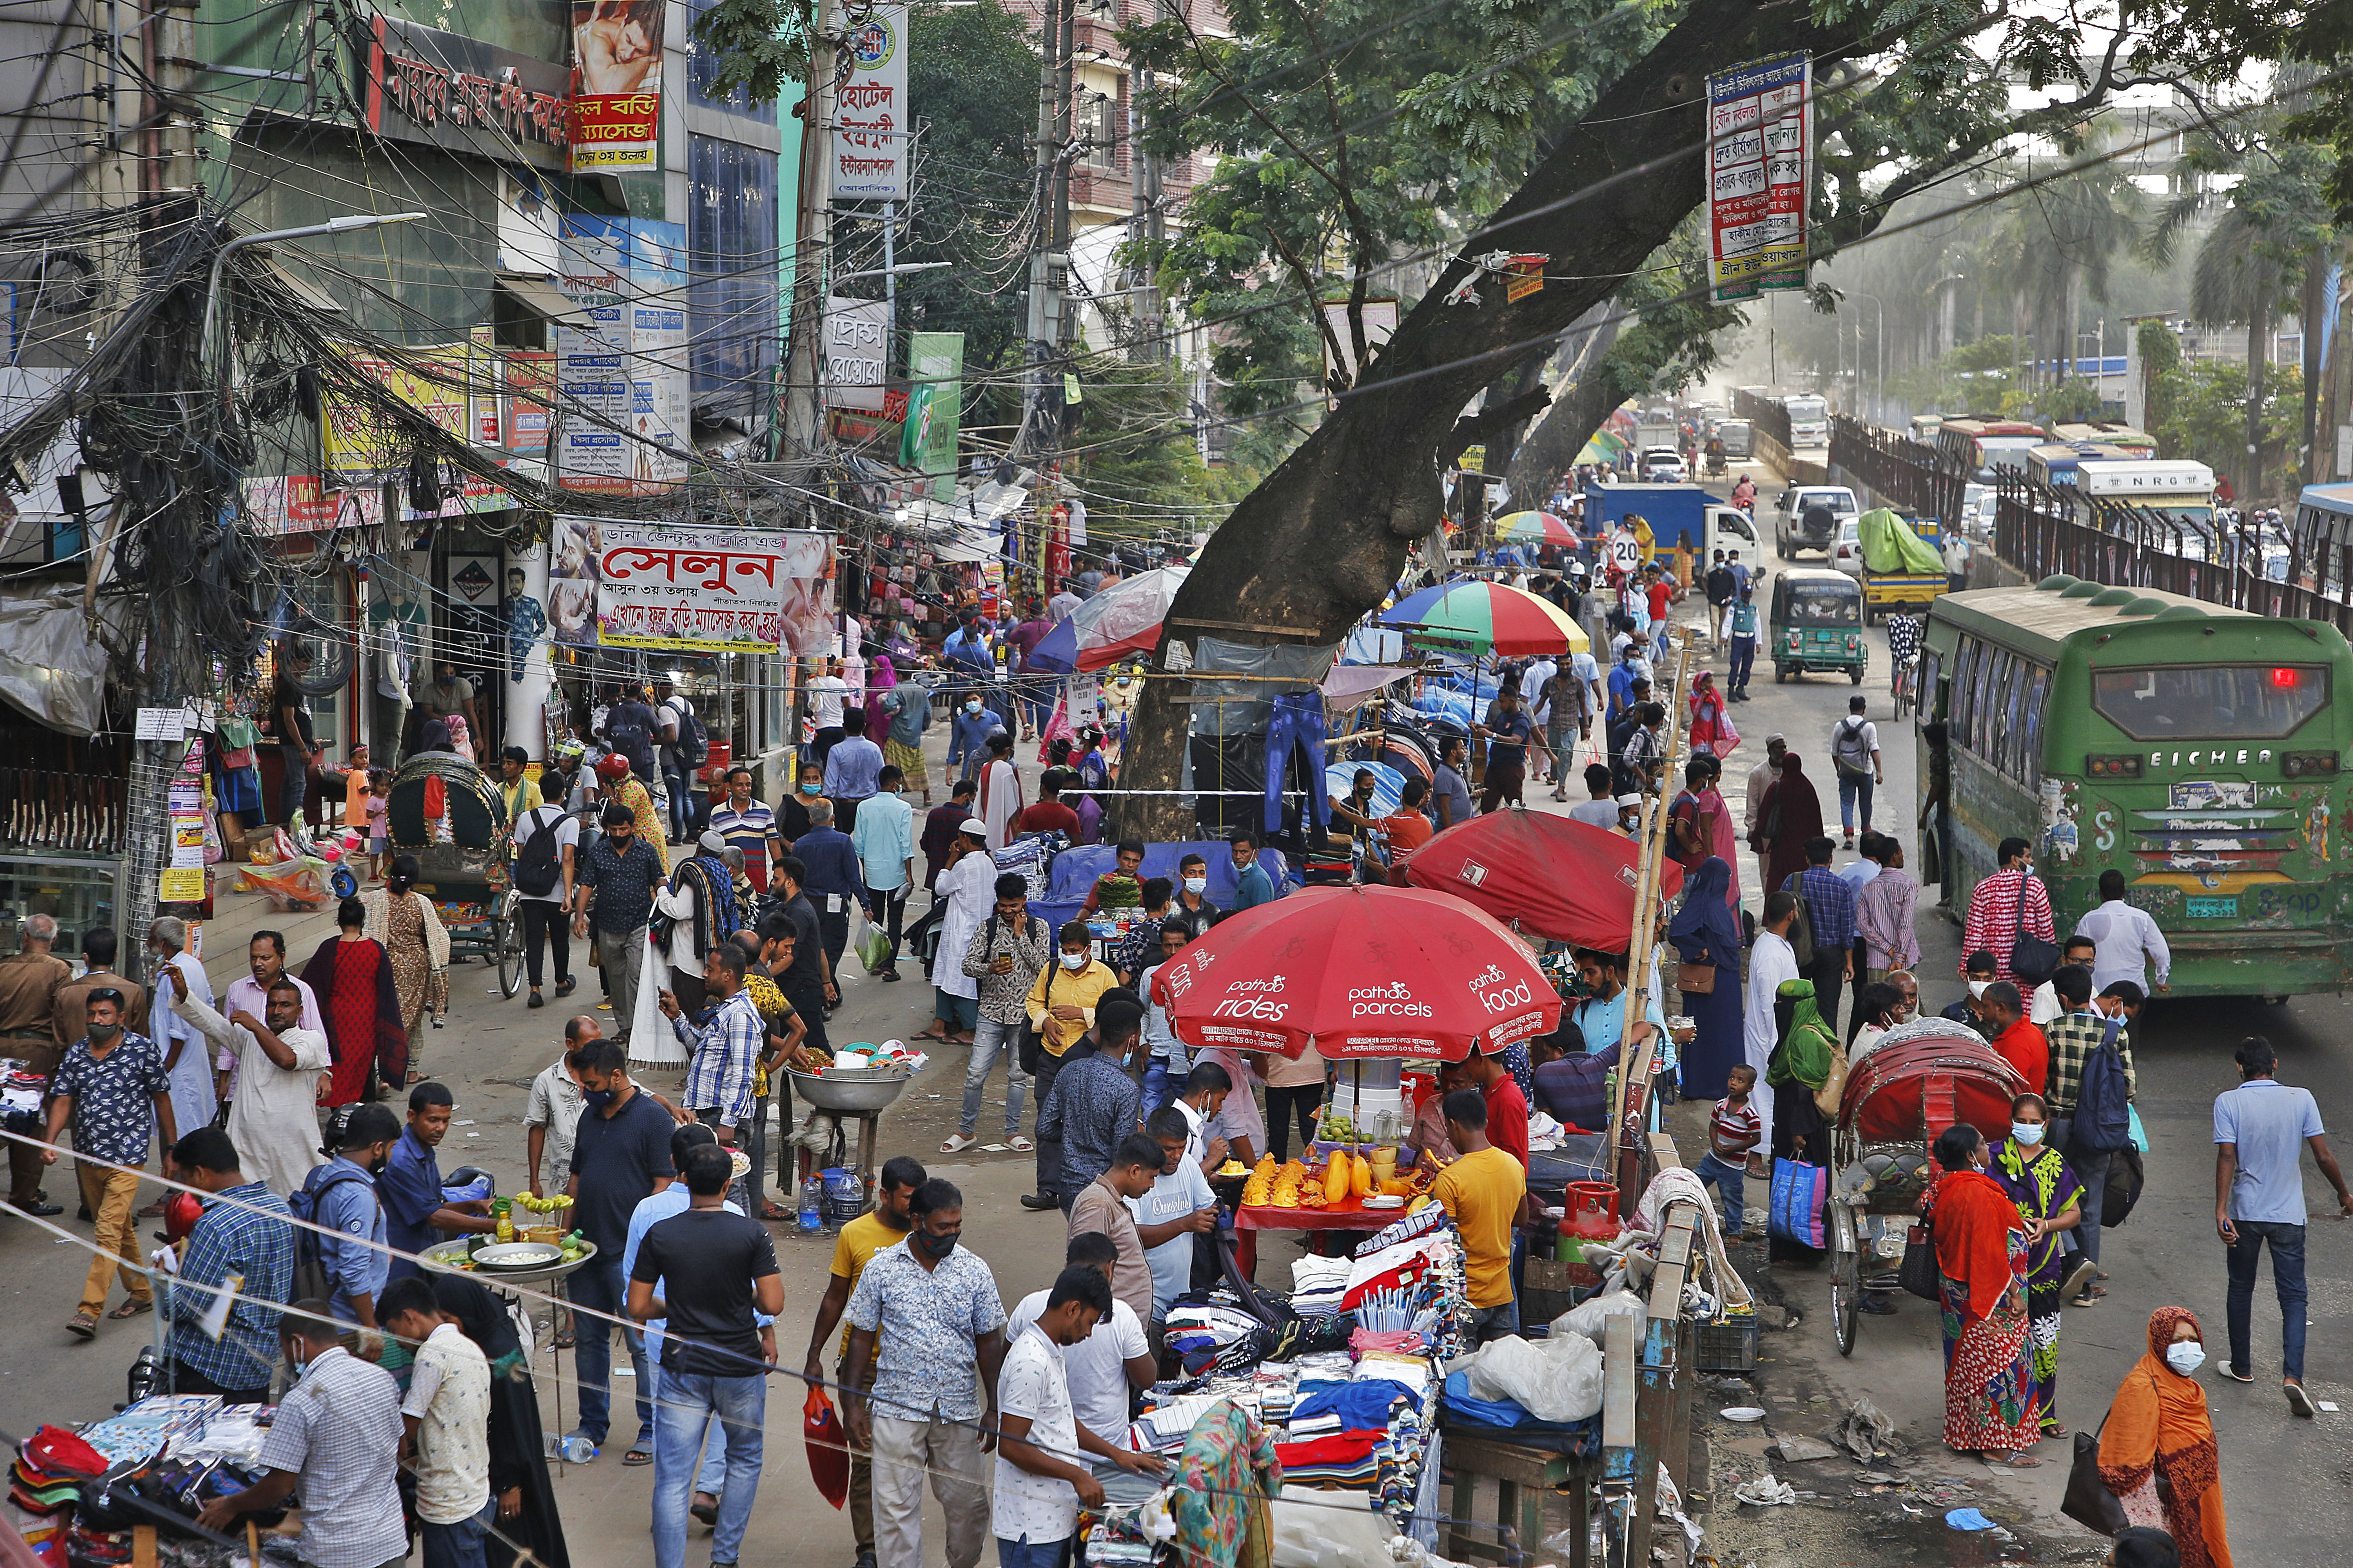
point(1137, 460)
point(2199, 410)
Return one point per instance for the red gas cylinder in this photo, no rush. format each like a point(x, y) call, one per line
point(1591, 1211)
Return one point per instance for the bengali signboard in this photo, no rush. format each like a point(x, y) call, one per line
point(688, 590)
point(363, 442)
point(617, 53)
point(1760, 168)
point(622, 376)
point(872, 131)
point(420, 84)
point(857, 339)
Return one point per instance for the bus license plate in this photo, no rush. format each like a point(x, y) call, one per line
point(2202, 909)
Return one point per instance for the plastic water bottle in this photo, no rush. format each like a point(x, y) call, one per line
point(812, 1215)
point(576, 1447)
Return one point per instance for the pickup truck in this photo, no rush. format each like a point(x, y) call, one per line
point(1901, 590)
point(1829, 504)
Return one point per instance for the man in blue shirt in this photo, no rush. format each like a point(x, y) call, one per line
point(1252, 886)
point(1622, 679)
point(852, 769)
point(341, 1197)
point(410, 1183)
point(2261, 1129)
point(242, 1235)
point(620, 1157)
point(968, 734)
point(831, 881)
point(885, 841)
point(1600, 1018)
point(1829, 913)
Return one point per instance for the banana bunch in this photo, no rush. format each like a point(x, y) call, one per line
point(552, 1204)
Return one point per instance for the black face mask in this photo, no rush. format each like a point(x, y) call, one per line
point(936, 1247)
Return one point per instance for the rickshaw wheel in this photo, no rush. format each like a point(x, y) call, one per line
point(1846, 1279)
point(1855, 677)
point(1780, 675)
point(503, 951)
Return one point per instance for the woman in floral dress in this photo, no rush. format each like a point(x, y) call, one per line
point(1981, 1261)
point(2049, 1199)
point(409, 928)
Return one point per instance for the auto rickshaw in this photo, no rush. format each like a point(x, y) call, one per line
point(1816, 623)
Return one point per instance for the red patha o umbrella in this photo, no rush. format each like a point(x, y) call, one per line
point(1357, 971)
point(1556, 877)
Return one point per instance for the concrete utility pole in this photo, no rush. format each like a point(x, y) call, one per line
point(803, 415)
point(1146, 226)
point(1050, 255)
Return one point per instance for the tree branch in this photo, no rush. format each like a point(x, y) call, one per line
point(1473, 428)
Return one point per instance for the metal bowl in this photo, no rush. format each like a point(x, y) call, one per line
point(517, 1256)
point(867, 1091)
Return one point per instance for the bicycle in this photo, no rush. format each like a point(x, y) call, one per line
point(1901, 683)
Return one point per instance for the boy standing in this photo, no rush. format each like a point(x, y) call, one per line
point(1734, 1129)
point(447, 1418)
point(1481, 1191)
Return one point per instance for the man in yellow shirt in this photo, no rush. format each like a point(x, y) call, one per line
point(1062, 1009)
point(1481, 1191)
point(886, 1224)
point(516, 787)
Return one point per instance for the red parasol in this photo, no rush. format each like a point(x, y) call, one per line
point(1357, 972)
point(828, 1450)
point(1553, 876)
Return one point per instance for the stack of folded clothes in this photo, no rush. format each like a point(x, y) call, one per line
point(51, 1465)
point(1317, 1284)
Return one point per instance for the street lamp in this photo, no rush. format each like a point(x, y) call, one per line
point(1878, 352)
point(345, 225)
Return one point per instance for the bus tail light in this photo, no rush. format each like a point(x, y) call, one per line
point(2112, 767)
point(2307, 764)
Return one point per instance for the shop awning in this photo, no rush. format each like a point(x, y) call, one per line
point(542, 299)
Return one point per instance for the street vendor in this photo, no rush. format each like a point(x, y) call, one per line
point(1600, 1018)
point(1481, 1191)
point(1121, 887)
point(1507, 1109)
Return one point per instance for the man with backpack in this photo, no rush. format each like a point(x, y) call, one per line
point(1854, 749)
point(630, 727)
point(348, 1270)
point(547, 840)
point(685, 746)
point(2090, 1087)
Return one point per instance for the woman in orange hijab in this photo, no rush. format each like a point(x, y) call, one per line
point(2157, 1452)
point(1989, 1404)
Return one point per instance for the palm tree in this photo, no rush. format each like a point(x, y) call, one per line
point(2273, 227)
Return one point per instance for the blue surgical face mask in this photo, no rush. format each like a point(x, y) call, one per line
point(1197, 884)
point(2027, 1134)
point(597, 1098)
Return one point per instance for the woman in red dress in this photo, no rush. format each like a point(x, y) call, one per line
point(352, 976)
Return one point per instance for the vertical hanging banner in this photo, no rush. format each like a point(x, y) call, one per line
point(622, 377)
point(616, 55)
point(872, 131)
point(935, 367)
point(1760, 169)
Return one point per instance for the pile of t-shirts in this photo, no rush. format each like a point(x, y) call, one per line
point(50, 1468)
point(20, 1099)
point(1318, 1285)
point(1354, 1407)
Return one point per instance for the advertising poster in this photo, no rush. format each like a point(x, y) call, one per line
point(690, 590)
point(362, 445)
point(617, 54)
point(622, 375)
point(1759, 169)
point(935, 366)
point(871, 129)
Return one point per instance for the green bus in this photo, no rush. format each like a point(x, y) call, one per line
point(2192, 747)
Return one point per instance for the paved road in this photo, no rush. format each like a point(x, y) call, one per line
point(2285, 1481)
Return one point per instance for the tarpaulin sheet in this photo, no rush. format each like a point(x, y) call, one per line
point(51, 665)
point(1889, 545)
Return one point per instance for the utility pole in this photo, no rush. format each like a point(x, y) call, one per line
point(1145, 225)
point(1050, 255)
point(803, 415)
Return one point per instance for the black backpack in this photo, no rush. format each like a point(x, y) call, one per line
point(539, 867)
point(311, 1282)
point(628, 734)
point(693, 739)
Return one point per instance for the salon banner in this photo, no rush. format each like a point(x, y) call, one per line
point(690, 590)
point(617, 54)
point(1760, 166)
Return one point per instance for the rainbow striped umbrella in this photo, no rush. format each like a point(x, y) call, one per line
point(1534, 528)
point(1486, 617)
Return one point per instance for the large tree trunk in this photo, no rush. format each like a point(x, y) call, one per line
point(1322, 539)
point(1578, 408)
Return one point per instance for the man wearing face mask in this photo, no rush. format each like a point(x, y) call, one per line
point(968, 735)
point(1192, 909)
point(341, 1197)
point(1970, 1008)
point(1062, 1009)
point(926, 1315)
point(620, 1157)
point(2006, 906)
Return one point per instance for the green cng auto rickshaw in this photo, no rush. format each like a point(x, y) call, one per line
point(1816, 623)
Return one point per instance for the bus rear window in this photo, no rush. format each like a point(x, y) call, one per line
point(2205, 702)
point(1825, 605)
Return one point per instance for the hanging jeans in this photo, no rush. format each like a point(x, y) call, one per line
point(1298, 721)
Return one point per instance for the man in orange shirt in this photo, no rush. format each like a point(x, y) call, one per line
point(2015, 1040)
point(1409, 829)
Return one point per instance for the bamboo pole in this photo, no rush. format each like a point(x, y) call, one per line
point(1634, 1075)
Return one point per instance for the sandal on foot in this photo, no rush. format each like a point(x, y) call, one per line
point(83, 1326)
point(133, 1308)
point(957, 1144)
point(1019, 1144)
point(776, 1214)
point(2013, 1461)
point(641, 1452)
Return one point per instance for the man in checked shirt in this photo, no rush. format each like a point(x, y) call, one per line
point(718, 1078)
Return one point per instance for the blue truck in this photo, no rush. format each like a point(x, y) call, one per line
point(1673, 511)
